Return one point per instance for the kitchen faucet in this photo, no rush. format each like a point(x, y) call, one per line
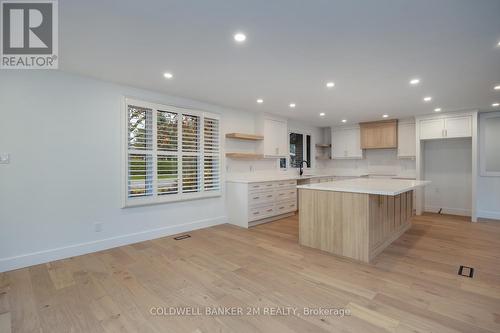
point(301, 170)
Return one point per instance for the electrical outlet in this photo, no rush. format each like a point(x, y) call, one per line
point(4, 158)
point(98, 226)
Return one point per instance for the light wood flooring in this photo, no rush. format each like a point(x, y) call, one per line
point(412, 286)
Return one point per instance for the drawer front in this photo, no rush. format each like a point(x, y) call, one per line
point(286, 207)
point(252, 187)
point(286, 183)
point(258, 213)
point(286, 194)
point(259, 198)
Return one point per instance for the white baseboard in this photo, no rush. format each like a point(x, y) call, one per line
point(448, 210)
point(35, 258)
point(488, 214)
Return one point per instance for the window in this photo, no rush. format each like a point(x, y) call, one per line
point(172, 154)
point(300, 149)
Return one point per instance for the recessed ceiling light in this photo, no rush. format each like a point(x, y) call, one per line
point(330, 84)
point(414, 82)
point(427, 98)
point(498, 45)
point(344, 120)
point(240, 37)
point(292, 105)
point(260, 101)
point(385, 116)
point(168, 75)
point(437, 110)
point(497, 87)
point(322, 114)
point(495, 105)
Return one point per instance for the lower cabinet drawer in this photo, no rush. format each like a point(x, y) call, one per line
point(258, 213)
point(286, 183)
point(259, 198)
point(285, 194)
point(286, 207)
point(256, 187)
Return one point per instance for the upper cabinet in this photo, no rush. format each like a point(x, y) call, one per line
point(275, 132)
point(346, 143)
point(379, 134)
point(446, 126)
point(406, 140)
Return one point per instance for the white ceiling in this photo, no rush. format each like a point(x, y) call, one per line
point(370, 49)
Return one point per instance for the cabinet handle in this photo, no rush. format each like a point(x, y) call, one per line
point(255, 198)
point(282, 207)
point(270, 210)
point(256, 213)
point(270, 196)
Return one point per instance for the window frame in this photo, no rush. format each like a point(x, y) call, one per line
point(304, 148)
point(179, 196)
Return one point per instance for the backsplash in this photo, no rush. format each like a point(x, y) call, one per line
point(376, 161)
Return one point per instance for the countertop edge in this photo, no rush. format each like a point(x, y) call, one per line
point(393, 193)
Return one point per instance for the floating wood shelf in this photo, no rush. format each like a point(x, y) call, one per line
point(245, 156)
point(323, 158)
point(243, 136)
point(323, 145)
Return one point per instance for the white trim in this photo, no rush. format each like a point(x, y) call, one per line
point(482, 143)
point(448, 210)
point(488, 214)
point(40, 257)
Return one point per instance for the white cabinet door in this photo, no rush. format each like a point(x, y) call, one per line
point(354, 139)
point(339, 144)
point(346, 143)
point(431, 128)
point(458, 127)
point(275, 138)
point(406, 140)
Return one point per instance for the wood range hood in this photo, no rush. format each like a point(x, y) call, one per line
point(379, 134)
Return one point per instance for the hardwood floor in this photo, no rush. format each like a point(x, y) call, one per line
point(412, 286)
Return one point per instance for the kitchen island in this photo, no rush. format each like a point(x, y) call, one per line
point(356, 218)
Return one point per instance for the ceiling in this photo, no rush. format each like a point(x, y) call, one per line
point(370, 49)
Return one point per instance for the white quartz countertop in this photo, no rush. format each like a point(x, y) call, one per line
point(271, 178)
point(369, 186)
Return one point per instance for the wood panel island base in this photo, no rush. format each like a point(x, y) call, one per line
point(356, 218)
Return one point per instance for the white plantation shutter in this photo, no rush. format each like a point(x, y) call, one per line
point(211, 162)
point(190, 153)
point(140, 147)
point(167, 138)
point(172, 154)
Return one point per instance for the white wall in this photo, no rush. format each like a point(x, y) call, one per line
point(63, 133)
point(488, 191)
point(448, 165)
